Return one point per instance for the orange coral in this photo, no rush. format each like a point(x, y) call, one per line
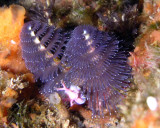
point(148, 121)
point(152, 10)
point(11, 22)
point(149, 38)
point(142, 53)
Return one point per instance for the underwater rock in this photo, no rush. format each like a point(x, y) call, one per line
point(145, 61)
point(10, 88)
point(55, 100)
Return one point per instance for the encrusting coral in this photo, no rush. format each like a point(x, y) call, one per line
point(11, 20)
point(10, 88)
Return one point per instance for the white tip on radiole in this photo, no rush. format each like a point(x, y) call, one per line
point(32, 33)
point(36, 40)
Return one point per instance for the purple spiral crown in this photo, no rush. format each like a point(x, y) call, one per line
point(85, 57)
